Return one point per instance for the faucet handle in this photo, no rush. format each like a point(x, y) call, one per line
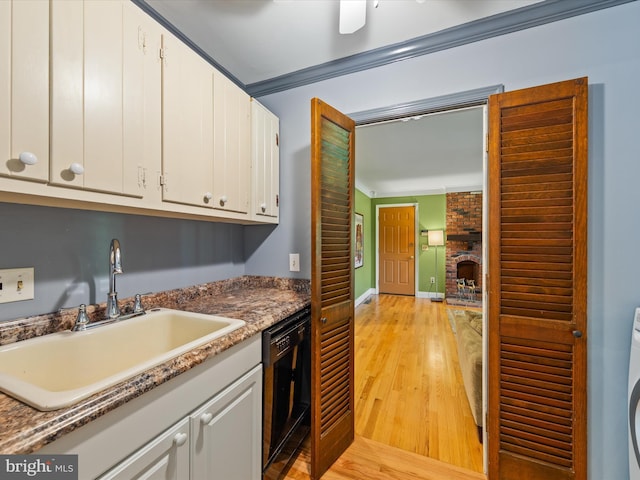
point(82, 319)
point(137, 304)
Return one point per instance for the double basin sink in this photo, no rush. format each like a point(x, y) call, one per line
point(61, 369)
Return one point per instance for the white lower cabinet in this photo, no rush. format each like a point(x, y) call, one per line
point(226, 433)
point(204, 424)
point(165, 458)
point(220, 440)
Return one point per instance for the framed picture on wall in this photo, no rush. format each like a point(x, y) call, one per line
point(359, 250)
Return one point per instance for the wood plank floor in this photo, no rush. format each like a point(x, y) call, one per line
point(413, 419)
point(369, 460)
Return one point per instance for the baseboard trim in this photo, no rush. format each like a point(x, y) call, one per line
point(364, 296)
point(438, 296)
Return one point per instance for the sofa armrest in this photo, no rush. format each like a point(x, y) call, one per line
point(470, 358)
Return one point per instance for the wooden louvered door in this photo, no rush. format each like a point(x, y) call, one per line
point(538, 283)
point(332, 314)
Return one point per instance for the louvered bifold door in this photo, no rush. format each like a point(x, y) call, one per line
point(332, 332)
point(538, 282)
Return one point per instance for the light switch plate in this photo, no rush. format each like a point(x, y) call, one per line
point(16, 284)
point(294, 262)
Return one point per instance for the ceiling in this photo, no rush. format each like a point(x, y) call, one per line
point(271, 45)
point(256, 40)
point(435, 154)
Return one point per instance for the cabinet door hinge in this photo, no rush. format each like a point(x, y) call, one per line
point(162, 181)
point(486, 143)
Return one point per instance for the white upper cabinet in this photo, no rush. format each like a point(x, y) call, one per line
point(206, 133)
point(24, 89)
point(187, 125)
point(265, 158)
point(232, 146)
point(105, 97)
point(103, 107)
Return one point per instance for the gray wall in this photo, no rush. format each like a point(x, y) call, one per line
point(602, 45)
point(69, 250)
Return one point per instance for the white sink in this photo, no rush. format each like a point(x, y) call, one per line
point(59, 370)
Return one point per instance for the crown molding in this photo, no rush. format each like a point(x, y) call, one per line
point(507, 22)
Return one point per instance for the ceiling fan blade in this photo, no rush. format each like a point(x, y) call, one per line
point(353, 14)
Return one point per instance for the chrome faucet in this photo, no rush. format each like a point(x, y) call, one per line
point(115, 268)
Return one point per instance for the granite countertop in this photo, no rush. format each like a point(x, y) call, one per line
point(259, 301)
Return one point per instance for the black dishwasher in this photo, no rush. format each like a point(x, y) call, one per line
point(286, 357)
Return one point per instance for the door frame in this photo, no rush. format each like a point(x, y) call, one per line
point(416, 263)
point(469, 98)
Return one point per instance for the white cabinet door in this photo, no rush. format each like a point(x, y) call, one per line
point(24, 89)
point(232, 146)
point(187, 125)
point(164, 458)
point(105, 74)
point(265, 158)
point(226, 432)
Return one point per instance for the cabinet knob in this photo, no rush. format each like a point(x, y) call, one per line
point(179, 439)
point(205, 418)
point(28, 158)
point(324, 320)
point(577, 333)
point(208, 196)
point(76, 168)
point(223, 200)
point(263, 207)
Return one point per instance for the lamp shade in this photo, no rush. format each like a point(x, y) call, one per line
point(435, 238)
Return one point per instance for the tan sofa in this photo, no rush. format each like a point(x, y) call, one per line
point(468, 326)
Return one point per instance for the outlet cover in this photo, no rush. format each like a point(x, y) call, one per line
point(16, 284)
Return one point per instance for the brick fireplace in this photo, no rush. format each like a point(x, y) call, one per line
point(464, 240)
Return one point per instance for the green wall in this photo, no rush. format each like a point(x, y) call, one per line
point(365, 275)
point(431, 215)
